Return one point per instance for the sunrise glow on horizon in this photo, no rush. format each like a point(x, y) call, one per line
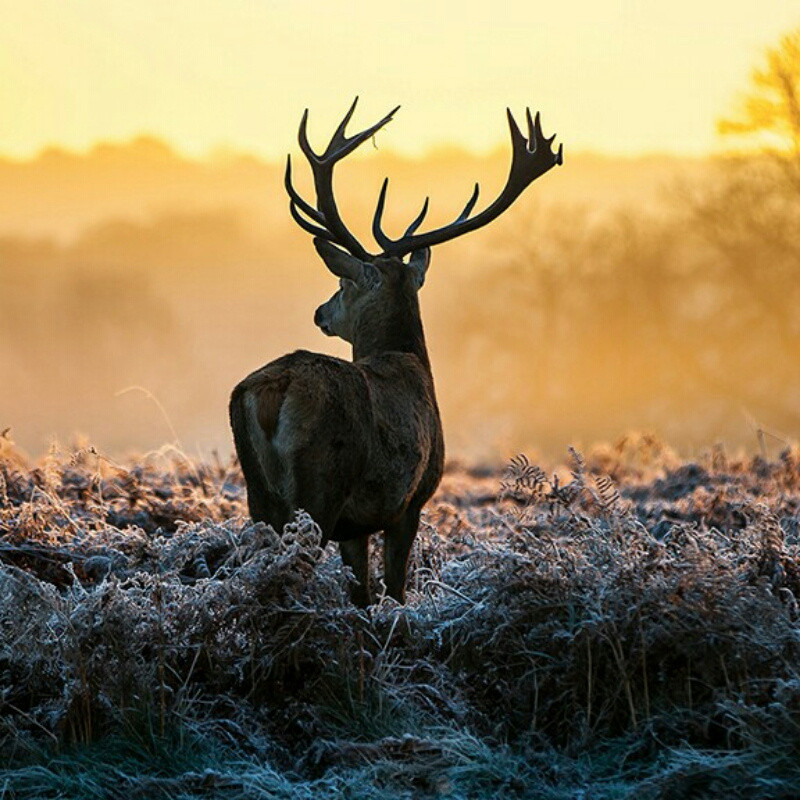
point(622, 78)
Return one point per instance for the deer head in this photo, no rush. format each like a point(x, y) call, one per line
point(367, 289)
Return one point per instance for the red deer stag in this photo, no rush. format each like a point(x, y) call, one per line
point(358, 445)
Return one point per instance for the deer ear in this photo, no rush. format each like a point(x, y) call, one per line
point(418, 264)
point(340, 262)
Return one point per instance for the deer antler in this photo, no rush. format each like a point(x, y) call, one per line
point(326, 221)
point(531, 158)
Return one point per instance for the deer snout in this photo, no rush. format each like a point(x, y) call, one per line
point(322, 321)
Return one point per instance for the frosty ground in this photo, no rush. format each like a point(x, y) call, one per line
point(625, 624)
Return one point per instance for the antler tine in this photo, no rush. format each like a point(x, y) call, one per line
point(531, 157)
point(297, 204)
point(326, 213)
point(470, 204)
point(418, 221)
point(517, 139)
point(338, 139)
point(534, 127)
point(302, 139)
point(377, 231)
point(535, 134)
point(296, 199)
point(340, 145)
point(390, 245)
point(307, 226)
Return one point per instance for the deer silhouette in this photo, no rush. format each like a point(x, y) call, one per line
point(358, 444)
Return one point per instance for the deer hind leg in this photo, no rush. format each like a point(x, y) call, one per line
point(397, 542)
point(355, 554)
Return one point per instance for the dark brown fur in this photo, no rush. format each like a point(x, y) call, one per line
point(358, 445)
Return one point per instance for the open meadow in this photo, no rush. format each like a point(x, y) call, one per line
point(622, 625)
point(587, 614)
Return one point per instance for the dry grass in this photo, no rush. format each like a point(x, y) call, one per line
point(627, 626)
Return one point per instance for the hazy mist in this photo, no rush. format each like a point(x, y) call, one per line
point(618, 294)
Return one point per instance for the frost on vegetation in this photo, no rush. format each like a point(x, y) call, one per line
point(624, 597)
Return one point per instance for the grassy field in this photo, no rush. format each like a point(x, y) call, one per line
point(625, 625)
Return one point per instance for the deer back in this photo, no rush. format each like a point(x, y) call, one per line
point(371, 427)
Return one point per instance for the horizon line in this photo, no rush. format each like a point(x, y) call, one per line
point(222, 152)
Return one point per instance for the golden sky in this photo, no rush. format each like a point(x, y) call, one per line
point(621, 76)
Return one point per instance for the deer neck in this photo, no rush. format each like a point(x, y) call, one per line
point(397, 330)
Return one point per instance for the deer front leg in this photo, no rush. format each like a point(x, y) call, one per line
point(397, 542)
point(355, 553)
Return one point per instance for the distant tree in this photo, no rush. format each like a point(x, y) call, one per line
point(752, 211)
point(769, 111)
point(746, 213)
